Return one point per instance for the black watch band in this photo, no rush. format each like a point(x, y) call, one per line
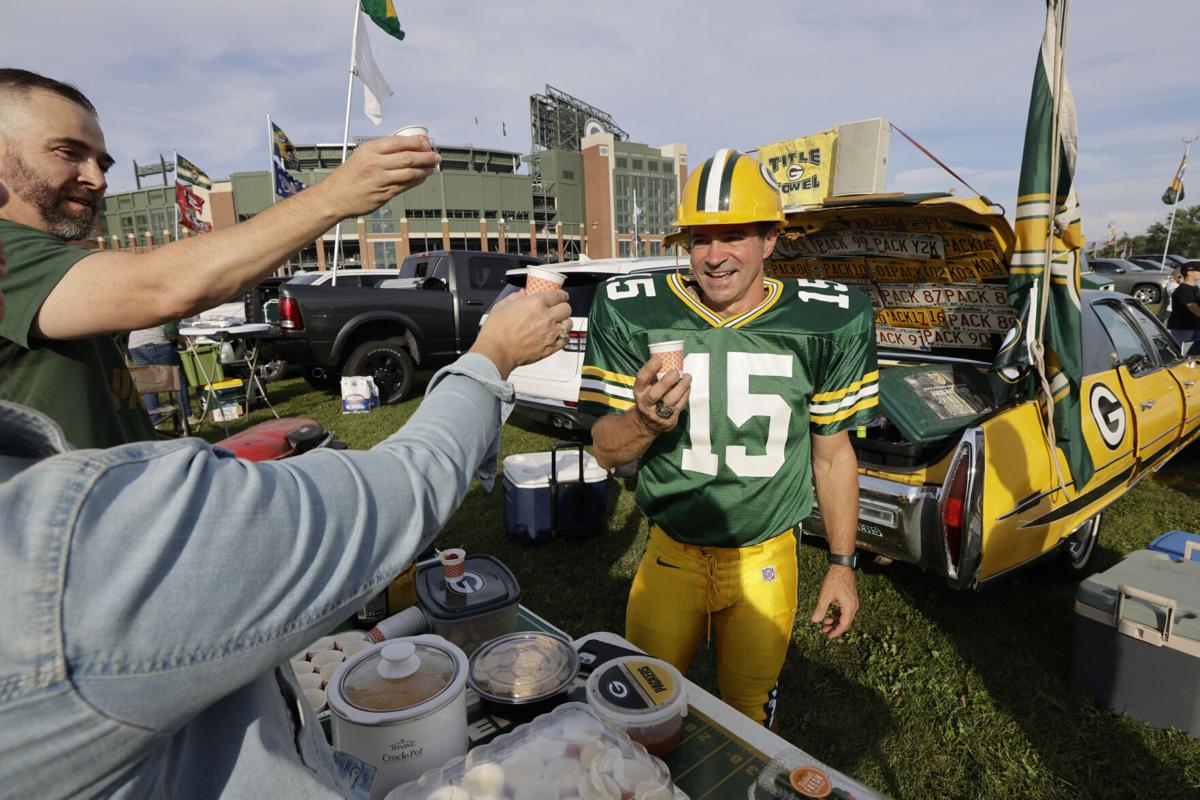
point(850, 561)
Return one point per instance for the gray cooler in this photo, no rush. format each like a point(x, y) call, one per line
point(1136, 646)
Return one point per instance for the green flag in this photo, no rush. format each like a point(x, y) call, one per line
point(384, 14)
point(1044, 351)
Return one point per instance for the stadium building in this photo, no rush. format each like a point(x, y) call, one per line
point(576, 196)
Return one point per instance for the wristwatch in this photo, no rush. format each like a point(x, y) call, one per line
point(850, 561)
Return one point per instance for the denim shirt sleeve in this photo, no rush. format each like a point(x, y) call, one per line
point(191, 573)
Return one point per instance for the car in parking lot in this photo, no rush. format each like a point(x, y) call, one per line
point(548, 390)
point(1170, 261)
point(1147, 285)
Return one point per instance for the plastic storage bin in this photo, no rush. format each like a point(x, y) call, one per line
point(554, 492)
point(570, 752)
point(203, 362)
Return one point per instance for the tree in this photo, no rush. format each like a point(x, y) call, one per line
point(1185, 235)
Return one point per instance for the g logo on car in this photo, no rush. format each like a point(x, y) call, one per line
point(1109, 414)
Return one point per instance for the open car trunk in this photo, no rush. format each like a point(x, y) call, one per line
point(923, 410)
point(935, 269)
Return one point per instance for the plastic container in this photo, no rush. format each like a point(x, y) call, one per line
point(473, 609)
point(794, 775)
point(643, 696)
point(524, 674)
point(532, 480)
point(1175, 544)
point(570, 752)
point(204, 362)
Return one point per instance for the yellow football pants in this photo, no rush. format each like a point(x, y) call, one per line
point(749, 595)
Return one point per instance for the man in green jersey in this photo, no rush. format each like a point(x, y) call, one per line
point(775, 372)
point(56, 352)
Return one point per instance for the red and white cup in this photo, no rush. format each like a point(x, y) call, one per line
point(454, 563)
point(670, 356)
point(540, 279)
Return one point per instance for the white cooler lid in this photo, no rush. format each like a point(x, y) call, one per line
point(532, 470)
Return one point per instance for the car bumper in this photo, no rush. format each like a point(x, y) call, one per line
point(553, 413)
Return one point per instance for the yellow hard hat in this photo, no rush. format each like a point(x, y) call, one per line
point(730, 188)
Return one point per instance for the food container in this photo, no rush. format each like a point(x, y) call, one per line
point(470, 610)
point(643, 696)
point(522, 675)
point(794, 775)
point(552, 492)
point(570, 752)
point(401, 706)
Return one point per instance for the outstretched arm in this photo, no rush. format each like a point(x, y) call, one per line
point(109, 291)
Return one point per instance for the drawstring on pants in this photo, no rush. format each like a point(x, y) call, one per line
point(711, 561)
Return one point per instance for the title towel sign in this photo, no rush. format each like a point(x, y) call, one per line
point(803, 167)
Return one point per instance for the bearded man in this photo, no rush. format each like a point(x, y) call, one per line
point(57, 354)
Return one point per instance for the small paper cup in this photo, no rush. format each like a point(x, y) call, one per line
point(315, 698)
point(302, 667)
point(309, 680)
point(670, 356)
point(412, 130)
point(328, 657)
point(539, 279)
point(453, 563)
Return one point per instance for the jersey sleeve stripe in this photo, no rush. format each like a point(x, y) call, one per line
point(604, 400)
point(870, 377)
point(845, 402)
point(862, 405)
point(611, 377)
point(606, 388)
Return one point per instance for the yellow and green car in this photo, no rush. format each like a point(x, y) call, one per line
point(949, 478)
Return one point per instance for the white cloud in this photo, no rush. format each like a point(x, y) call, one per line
point(957, 76)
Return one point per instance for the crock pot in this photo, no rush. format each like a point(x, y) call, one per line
point(401, 706)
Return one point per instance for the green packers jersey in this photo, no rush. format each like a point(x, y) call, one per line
point(736, 469)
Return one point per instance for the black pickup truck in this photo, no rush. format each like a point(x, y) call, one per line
point(427, 317)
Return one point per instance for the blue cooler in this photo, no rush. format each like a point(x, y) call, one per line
point(1175, 543)
point(564, 490)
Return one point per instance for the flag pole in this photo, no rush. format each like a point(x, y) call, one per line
point(337, 235)
point(1170, 226)
point(635, 222)
point(175, 161)
point(1045, 280)
point(271, 156)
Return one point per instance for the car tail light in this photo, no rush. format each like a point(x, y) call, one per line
point(953, 510)
point(289, 315)
point(577, 343)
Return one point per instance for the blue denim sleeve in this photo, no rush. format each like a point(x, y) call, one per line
point(190, 573)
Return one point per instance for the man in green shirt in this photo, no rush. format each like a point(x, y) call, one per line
point(64, 302)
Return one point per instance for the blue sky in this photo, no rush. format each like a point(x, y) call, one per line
point(201, 77)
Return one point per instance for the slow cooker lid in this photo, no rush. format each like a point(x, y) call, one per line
point(523, 667)
point(400, 676)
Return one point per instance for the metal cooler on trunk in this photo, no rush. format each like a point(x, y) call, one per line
point(1136, 646)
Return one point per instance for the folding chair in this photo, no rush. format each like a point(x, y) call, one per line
point(156, 378)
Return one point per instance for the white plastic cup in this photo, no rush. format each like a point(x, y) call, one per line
point(540, 279)
point(301, 667)
point(341, 640)
point(670, 356)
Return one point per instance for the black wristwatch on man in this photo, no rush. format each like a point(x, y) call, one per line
point(850, 561)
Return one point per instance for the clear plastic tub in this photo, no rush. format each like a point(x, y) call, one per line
point(793, 775)
point(570, 752)
point(643, 696)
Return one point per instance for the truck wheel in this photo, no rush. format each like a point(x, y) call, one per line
point(388, 363)
point(1078, 547)
point(1146, 293)
point(319, 379)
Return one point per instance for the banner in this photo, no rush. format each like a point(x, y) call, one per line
point(802, 167)
point(192, 192)
point(1174, 192)
point(366, 70)
point(283, 149)
point(1043, 351)
point(383, 14)
point(285, 184)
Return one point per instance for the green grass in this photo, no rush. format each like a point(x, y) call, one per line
point(933, 693)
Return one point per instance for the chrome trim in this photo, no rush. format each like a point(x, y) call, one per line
point(891, 518)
